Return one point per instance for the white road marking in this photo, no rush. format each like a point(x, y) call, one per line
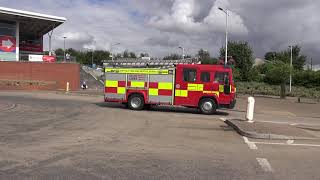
point(264, 163)
point(250, 144)
point(290, 141)
point(286, 144)
point(275, 122)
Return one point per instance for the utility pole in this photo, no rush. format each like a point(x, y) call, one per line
point(92, 58)
point(311, 65)
point(182, 52)
point(115, 44)
point(64, 48)
point(226, 55)
point(290, 68)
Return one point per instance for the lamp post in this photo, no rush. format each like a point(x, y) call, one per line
point(91, 57)
point(115, 44)
point(182, 52)
point(226, 55)
point(64, 48)
point(290, 87)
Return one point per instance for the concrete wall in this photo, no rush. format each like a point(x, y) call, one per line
point(39, 76)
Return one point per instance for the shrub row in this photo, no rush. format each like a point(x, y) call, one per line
point(274, 90)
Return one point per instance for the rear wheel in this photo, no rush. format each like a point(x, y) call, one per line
point(136, 102)
point(207, 106)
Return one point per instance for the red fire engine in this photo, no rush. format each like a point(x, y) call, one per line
point(207, 87)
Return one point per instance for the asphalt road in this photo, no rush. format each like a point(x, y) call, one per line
point(50, 136)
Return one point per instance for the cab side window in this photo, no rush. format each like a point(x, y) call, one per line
point(190, 75)
point(221, 77)
point(205, 77)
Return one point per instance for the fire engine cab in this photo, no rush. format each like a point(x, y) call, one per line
point(206, 87)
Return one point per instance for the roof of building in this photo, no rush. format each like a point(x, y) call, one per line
point(32, 22)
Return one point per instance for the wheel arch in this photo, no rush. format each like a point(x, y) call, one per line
point(137, 93)
point(214, 98)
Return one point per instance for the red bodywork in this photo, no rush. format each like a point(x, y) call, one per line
point(208, 81)
point(195, 96)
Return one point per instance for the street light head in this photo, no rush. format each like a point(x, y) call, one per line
point(220, 9)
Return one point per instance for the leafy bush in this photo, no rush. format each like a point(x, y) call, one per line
point(274, 90)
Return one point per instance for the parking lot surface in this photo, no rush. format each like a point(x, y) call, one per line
point(51, 136)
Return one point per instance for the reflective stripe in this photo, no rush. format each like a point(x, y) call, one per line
point(212, 92)
point(111, 83)
point(121, 90)
point(153, 92)
point(221, 88)
point(192, 87)
point(165, 85)
point(195, 87)
point(137, 84)
point(182, 93)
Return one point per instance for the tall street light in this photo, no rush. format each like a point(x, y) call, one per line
point(291, 57)
point(226, 55)
point(64, 48)
point(182, 52)
point(115, 44)
point(89, 49)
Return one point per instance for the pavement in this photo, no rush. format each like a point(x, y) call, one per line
point(269, 130)
point(46, 135)
point(275, 118)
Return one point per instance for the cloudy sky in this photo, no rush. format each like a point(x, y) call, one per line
point(159, 27)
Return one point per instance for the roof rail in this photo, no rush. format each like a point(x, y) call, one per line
point(130, 62)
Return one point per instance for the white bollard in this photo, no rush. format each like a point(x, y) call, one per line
point(250, 109)
point(68, 86)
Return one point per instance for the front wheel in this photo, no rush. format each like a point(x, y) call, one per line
point(207, 106)
point(136, 102)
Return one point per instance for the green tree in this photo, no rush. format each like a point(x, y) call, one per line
point(172, 57)
point(298, 60)
point(278, 73)
point(144, 55)
point(59, 52)
point(132, 55)
point(210, 61)
point(203, 54)
point(242, 53)
point(126, 54)
point(270, 56)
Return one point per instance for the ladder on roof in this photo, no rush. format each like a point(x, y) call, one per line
point(148, 63)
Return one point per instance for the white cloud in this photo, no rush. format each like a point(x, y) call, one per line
point(216, 19)
point(182, 19)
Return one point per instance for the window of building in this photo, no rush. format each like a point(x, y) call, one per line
point(205, 77)
point(190, 75)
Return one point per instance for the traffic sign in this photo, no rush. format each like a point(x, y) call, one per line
point(7, 44)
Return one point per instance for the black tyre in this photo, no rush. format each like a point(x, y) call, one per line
point(136, 102)
point(207, 106)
